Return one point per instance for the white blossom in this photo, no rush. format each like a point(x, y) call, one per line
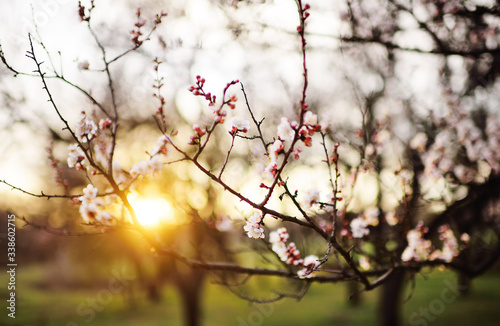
point(310, 119)
point(76, 157)
point(151, 166)
point(418, 249)
point(238, 124)
point(89, 193)
point(278, 239)
point(154, 164)
point(140, 168)
point(359, 228)
point(160, 147)
point(88, 211)
point(92, 207)
point(253, 227)
point(293, 255)
point(418, 142)
point(311, 196)
point(274, 149)
point(285, 131)
point(86, 129)
point(280, 234)
point(281, 250)
point(450, 245)
point(270, 171)
point(310, 263)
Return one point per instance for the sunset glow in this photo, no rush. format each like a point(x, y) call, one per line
point(152, 211)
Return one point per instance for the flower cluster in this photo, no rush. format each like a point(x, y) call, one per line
point(92, 207)
point(278, 239)
point(419, 142)
point(450, 245)
point(160, 147)
point(286, 132)
point(309, 128)
point(291, 255)
point(76, 157)
point(86, 129)
point(253, 226)
point(359, 225)
point(309, 266)
point(418, 248)
point(155, 163)
point(153, 166)
point(459, 147)
point(238, 124)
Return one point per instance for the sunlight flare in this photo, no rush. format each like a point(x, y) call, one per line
point(152, 211)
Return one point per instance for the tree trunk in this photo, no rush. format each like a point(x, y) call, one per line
point(190, 290)
point(464, 284)
point(390, 300)
point(353, 293)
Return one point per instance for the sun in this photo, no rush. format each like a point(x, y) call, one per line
point(152, 211)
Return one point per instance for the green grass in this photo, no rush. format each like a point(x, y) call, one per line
point(325, 304)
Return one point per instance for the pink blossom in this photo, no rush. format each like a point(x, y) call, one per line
point(105, 124)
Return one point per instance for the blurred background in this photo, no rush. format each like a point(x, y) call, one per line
point(373, 65)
